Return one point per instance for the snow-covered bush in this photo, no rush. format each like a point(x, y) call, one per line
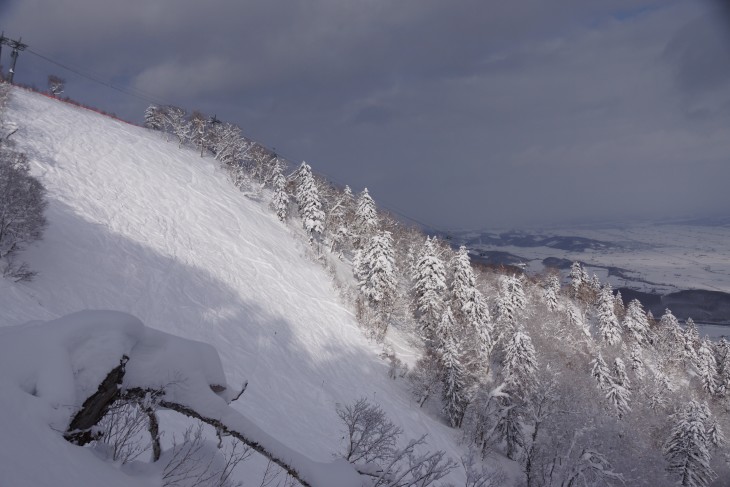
point(22, 207)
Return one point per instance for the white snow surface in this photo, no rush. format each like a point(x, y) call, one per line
point(140, 226)
point(54, 366)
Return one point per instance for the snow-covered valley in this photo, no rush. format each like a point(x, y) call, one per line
point(658, 259)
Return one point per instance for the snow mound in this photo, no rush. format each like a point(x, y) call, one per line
point(57, 365)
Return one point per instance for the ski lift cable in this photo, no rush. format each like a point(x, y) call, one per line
point(98, 79)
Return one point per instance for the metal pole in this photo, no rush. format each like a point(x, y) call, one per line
point(2, 41)
point(17, 47)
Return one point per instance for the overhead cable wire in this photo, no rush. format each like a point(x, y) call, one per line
point(97, 79)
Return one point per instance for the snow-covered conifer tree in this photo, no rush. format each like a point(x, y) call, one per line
point(430, 287)
point(691, 343)
point(672, 338)
point(347, 193)
point(618, 396)
point(595, 284)
point(463, 284)
point(577, 319)
point(453, 372)
point(618, 393)
point(601, 373)
point(714, 432)
point(723, 367)
point(511, 300)
point(636, 323)
point(707, 366)
point(619, 370)
point(637, 363)
point(280, 200)
point(520, 364)
point(468, 305)
point(607, 320)
point(339, 220)
point(366, 218)
point(618, 305)
point(307, 197)
point(446, 327)
point(658, 392)
point(551, 291)
point(376, 270)
point(509, 427)
point(578, 278)
point(687, 449)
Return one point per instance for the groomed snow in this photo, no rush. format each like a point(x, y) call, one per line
point(140, 226)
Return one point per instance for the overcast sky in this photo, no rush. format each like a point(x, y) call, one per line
point(461, 114)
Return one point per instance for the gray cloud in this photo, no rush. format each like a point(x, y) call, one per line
point(465, 113)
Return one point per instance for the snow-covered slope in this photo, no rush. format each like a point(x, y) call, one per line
point(140, 226)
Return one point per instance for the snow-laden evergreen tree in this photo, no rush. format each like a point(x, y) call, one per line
point(430, 288)
point(688, 448)
point(671, 339)
point(607, 321)
point(463, 285)
point(658, 392)
point(636, 324)
point(600, 373)
point(453, 374)
point(366, 218)
point(595, 284)
point(578, 279)
point(307, 197)
point(339, 220)
point(618, 396)
point(619, 370)
point(650, 318)
point(446, 328)
point(618, 306)
point(707, 367)
point(511, 300)
point(714, 433)
point(577, 319)
point(376, 270)
point(469, 306)
point(551, 292)
point(280, 200)
point(618, 393)
point(520, 364)
point(691, 343)
point(637, 363)
point(509, 428)
point(723, 367)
